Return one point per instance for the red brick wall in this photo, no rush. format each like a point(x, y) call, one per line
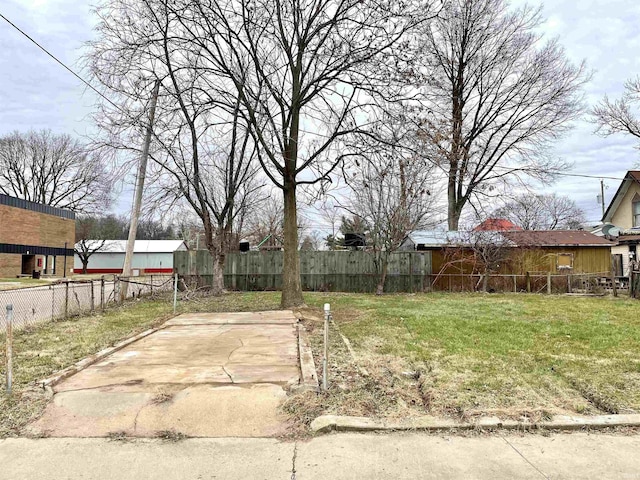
point(24, 227)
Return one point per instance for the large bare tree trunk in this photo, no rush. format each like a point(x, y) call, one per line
point(383, 276)
point(291, 287)
point(217, 284)
point(453, 213)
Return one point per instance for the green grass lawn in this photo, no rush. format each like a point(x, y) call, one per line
point(509, 355)
point(13, 283)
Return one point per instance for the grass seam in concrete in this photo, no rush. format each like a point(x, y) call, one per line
point(341, 423)
point(48, 383)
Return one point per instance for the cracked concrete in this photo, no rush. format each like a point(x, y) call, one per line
point(227, 375)
point(405, 456)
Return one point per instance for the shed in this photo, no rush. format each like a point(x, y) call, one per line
point(149, 256)
point(555, 251)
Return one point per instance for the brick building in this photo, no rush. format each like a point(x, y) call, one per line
point(35, 237)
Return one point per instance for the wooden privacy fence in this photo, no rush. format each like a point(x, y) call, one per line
point(339, 271)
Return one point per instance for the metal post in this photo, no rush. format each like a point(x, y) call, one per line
point(152, 285)
point(66, 299)
point(102, 292)
point(325, 359)
point(175, 293)
point(93, 297)
point(64, 274)
point(9, 342)
point(549, 283)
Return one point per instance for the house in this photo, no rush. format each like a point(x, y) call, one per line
point(149, 256)
point(497, 225)
point(35, 238)
point(624, 209)
point(553, 251)
point(621, 222)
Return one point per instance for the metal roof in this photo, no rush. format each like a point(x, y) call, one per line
point(556, 238)
point(141, 246)
point(517, 238)
point(436, 238)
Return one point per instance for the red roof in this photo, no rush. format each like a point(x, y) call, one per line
point(496, 224)
point(556, 238)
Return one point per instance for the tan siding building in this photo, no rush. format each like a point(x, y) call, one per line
point(35, 238)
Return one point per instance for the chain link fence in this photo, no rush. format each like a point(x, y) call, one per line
point(65, 299)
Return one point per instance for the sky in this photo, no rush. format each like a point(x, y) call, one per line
point(36, 92)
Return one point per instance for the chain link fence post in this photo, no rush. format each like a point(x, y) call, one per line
point(66, 300)
point(93, 298)
point(9, 347)
point(175, 293)
point(102, 292)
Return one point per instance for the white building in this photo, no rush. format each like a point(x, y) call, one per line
point(149, 256)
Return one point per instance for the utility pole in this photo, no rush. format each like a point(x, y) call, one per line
point(602, 197)
point(137, 202)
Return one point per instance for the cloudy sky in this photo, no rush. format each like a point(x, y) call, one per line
point(35, 92)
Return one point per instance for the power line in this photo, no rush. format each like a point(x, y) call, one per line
point(61, 63)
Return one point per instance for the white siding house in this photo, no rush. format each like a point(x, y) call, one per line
point(149, 256)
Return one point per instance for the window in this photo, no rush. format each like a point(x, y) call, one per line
point(565, 261)
point(636, 214)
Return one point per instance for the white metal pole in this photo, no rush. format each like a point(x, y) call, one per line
point(325, 360)
point(175, 293)
point(9, 341)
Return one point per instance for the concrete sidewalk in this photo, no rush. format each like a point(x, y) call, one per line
point(339, 456)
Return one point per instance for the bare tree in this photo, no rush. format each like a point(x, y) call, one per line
point(542, 212)
point(301, 72)
point(494, 97)
point(203, 154)
point(489, 251)
point(619, 116)
point(391, 189)
point(54, 170)
point(264, 224)
point(92, 233)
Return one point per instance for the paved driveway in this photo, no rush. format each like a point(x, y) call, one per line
point(202, 375)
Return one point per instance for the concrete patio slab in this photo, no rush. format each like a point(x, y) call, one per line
point(285, 317)
point(213, 377)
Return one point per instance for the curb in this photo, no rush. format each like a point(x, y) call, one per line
point(308, 375)
point(328, 423)
point(48, 383)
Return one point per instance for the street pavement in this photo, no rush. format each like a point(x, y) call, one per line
point(336, 456)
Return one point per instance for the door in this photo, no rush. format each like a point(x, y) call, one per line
point(28, 264)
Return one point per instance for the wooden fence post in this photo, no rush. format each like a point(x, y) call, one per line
point(569, 286)
point(613, 278)
point(528, 277)
point(549, 283)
